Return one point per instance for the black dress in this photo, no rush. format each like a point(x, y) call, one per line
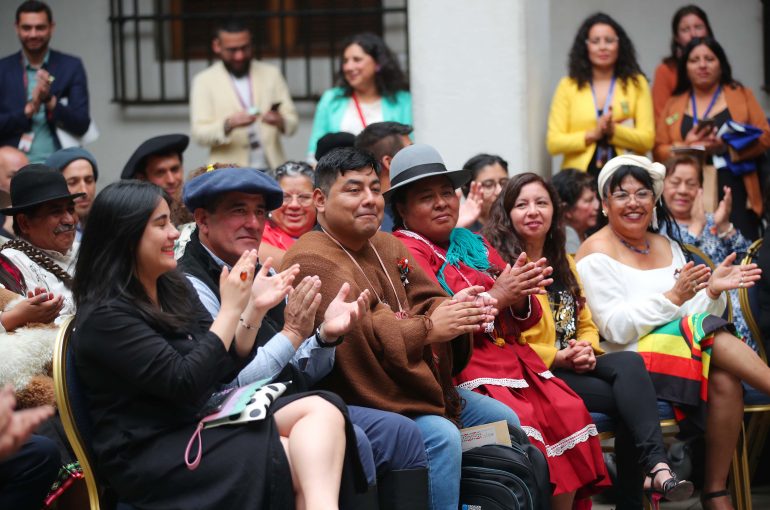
point(145, 387)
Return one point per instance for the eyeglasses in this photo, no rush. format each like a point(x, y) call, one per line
point(596, 41)
point(303, 199)
point(641, 196)
point(489, 185)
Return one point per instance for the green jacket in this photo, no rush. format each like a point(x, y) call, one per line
point(333, 103)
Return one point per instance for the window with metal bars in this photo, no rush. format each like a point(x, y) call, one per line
point(159, 45)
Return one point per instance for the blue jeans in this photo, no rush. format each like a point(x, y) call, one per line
point(442, 444)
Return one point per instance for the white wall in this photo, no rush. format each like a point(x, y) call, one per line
point(539, 52)
point(467, 69)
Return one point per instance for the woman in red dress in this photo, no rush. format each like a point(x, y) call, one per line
point(425, 210)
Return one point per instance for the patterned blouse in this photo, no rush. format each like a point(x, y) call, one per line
point(717, 250)
point(564, 310)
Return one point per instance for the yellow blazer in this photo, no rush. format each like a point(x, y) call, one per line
point(573, 114)
point(542, 336)
point(213, 98)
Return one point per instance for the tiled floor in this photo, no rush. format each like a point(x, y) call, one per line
point(760, 501)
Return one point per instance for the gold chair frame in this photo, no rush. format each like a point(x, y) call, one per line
point(759, 423)
point(65, 410)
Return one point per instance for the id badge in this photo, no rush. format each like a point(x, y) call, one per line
point(25, 142)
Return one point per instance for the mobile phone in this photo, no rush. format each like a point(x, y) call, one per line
point(215, 403)
point(705, 125)
point(274, 107)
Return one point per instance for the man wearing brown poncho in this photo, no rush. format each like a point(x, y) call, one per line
point(402, 355)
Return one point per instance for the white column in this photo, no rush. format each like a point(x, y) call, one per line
point(475, 86)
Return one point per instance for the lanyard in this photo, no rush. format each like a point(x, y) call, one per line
point(238, 94)
point(401, 313)
point(358, 109)
point(708, 110)
point(603, 150)
point(607, 100)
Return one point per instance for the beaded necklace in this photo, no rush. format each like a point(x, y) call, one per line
point(642, 251)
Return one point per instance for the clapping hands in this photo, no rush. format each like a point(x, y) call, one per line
point(727, 276)
point(268, 290)
point(340, 316)
point(516, 283)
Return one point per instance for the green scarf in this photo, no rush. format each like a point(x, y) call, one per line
point(465, 247)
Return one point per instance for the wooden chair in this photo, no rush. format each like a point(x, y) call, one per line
point(757, 404)
point(73, 410)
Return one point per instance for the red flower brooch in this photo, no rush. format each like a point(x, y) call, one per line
point(403, 268)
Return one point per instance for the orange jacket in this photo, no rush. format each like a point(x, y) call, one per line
point(743, 108)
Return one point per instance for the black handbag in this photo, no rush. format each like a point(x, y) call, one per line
point(498, 477)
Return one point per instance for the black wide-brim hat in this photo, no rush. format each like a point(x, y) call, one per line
point(37, 184)
point(419, 161)
point(164, 144)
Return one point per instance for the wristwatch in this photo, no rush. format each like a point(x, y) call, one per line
point(324, 343)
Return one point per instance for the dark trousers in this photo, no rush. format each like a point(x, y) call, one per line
point(620, 387)
point(386, 441)
point(26, 476)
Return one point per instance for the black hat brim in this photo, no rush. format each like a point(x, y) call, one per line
point(164, 144)
point(8, 211)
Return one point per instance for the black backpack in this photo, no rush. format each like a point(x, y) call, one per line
point(497, 477)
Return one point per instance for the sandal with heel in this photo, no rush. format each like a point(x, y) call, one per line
point(672, 489)
point(704, 497)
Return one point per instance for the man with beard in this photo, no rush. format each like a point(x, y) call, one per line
point(159, 161)
point(44, 220)
point(78, 166)
point(240, 107)
point(41, 89)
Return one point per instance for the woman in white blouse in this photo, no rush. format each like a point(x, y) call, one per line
point(646, 295)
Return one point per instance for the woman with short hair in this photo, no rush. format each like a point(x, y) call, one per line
point(297, 214)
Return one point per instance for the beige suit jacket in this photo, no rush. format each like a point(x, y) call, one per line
point(213, 98)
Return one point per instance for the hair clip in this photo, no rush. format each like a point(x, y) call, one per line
point(210, 167)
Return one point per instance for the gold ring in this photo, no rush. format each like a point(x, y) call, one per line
point(244, 275)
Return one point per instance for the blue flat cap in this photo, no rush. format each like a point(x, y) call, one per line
point(61, 158)
point(200, 190)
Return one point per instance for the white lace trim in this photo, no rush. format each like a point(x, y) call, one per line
point(546, 375)
point(569, 442)
point(533, 433)
point(481, 381)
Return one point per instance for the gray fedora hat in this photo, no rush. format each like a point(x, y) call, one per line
point(420, 161)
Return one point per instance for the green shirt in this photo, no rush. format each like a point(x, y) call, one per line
point(43, 143)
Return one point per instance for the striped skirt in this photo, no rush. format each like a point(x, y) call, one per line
point(677, 356)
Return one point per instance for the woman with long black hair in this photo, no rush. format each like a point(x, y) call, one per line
point(150, 357)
